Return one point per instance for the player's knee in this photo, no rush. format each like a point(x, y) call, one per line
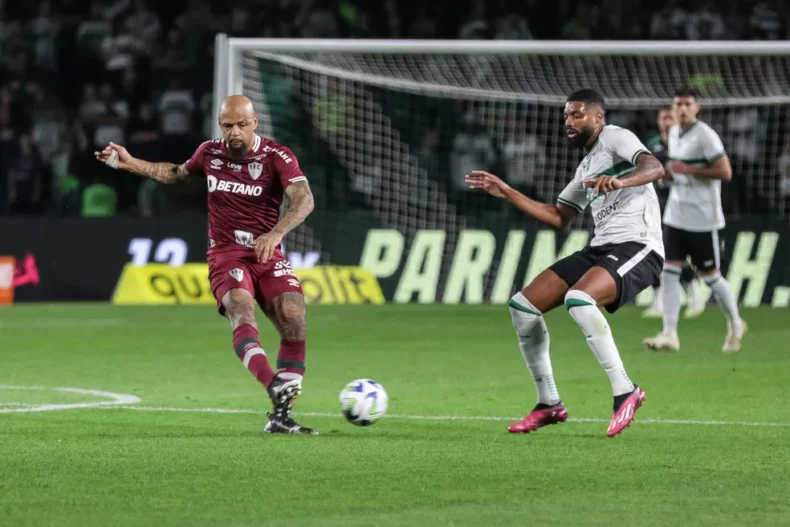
point(524, 314)
point(239, 307)
point(578, 298)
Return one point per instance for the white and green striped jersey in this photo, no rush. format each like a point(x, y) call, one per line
point(694, 202)
point(628, 215)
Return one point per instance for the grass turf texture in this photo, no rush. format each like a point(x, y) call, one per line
point(124, 467)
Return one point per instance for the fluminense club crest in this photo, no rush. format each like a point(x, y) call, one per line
point(255, 170)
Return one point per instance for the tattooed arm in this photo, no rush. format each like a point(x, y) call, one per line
point(118, 157)
point(301, 204)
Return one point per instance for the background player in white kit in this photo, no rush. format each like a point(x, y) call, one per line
point(624, 257)
point(692, 220)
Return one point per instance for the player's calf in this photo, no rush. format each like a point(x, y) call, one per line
point(240, 310)
point(289, 317)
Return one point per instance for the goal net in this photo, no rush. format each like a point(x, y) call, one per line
point(392, 127)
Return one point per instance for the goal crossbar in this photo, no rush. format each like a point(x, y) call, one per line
point(229, 52)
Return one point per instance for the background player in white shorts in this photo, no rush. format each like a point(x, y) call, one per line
point(692, 220)
point(624, 257)
point(659, 147)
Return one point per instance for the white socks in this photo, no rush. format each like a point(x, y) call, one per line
point(725, 297)
point(584, 311)
point(533, 339)
point(670, 286)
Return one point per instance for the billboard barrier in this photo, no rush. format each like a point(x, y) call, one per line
point(91, 260)
point(160, 284)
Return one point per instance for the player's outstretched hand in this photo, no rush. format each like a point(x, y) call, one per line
point(114, 156)
point(266, 244)
point(479, 179)
point(605, 184)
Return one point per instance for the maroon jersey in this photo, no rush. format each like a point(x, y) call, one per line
point(244, 196)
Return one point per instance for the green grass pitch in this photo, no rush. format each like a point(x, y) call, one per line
point(711, 446)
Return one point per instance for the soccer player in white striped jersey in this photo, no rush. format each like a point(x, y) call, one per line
point(692, 220)
point(624, 257)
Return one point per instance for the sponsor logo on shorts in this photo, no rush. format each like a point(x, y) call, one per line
point(234, 188)
point(283, 272)
point(243, 238)
point(283, 264)
point(216, 163)
point(255, 170)
point(237, 273)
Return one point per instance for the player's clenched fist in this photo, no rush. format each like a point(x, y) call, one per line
point(114, 156)
point(488, 182)
point(266, 244)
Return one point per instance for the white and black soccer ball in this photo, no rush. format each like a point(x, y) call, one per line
point(363, 402)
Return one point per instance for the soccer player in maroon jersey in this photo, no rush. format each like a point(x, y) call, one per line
point(247, 176)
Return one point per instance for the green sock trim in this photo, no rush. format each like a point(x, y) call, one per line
point(290, 364)
point(575, 302)
point(519, 307)
point(242, 344)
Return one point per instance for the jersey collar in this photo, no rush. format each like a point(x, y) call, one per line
point(687, 130)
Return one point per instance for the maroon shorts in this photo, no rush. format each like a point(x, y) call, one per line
point(241, 270)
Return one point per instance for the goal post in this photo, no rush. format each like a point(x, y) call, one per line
point(400, 121)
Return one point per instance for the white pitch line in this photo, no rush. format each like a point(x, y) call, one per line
point(115, 399)
point(453, 417)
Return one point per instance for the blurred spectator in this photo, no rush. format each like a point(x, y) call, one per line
point(110, 123)
point(510, 24)
point(175, 108)
point(144, 24)
point(765, 20)
point(24, 176)
point(43, 30)
point(473, 149)
point(783, 165)
point(669, 23)
point(476, 25)
point(90, 106)
point(578, 27)
point(706, 23)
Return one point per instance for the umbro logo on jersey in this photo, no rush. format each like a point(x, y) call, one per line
point(216, 163)
point(238, 274)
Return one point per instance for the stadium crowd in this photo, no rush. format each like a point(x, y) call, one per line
point(75, 75)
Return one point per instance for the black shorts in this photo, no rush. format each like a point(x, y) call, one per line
point(633, 265)
point(704, 248)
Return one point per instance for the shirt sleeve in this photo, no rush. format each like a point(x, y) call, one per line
point(712, 147)
point(626, 145)
point(287, 166)
point(195, 163)
point(574, 195)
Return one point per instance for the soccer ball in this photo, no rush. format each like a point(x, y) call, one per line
point(363, 402)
